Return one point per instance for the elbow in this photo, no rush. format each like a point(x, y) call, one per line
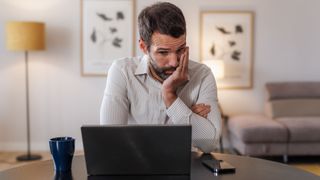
point(207, 144)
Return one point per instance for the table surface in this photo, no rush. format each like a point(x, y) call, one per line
point(246, 168)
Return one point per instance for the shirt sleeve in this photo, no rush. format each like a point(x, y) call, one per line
point(205, 131)
point(115, 105)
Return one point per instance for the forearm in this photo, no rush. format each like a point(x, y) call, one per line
point(205, 131)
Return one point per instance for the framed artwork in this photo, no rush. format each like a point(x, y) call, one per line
point(226, 39)
point(107, 34)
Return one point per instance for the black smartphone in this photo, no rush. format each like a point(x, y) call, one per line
point(219, 166)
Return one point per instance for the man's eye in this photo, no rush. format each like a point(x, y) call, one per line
point(164, 53)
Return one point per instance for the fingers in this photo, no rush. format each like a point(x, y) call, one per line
point(186, 58)
point(204, 113)
point(184, 61)
point(180, 75)
point(180, 66)
point(201, 109)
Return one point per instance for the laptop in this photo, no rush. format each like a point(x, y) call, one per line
point(137, 149)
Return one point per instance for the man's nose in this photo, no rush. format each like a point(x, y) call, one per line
point(174, 60)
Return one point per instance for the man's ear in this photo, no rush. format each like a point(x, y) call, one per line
point(143, 47)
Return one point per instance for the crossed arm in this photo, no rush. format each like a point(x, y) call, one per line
point(203, 116)
point(178, 78)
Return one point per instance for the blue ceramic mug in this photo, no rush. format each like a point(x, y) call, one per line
point(63, 175)
point(62, 149)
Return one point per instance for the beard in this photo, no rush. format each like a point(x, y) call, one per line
point(161, 72)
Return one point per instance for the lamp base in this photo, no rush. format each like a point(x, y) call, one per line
point(28, 157)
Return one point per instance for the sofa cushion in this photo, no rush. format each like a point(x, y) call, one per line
point(293, 108)
point(302, 129)
point(258, 149)
point(293, 90)
point(257, 129)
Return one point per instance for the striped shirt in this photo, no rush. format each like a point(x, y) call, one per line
point(133, 96)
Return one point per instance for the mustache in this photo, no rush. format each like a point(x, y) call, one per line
point(168, 69)
point(163, 69)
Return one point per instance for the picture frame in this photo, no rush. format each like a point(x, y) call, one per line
point(107, 34)
point(227, 39)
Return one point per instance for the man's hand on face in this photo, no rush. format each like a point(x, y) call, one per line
point(178, 78)
point(201, 109)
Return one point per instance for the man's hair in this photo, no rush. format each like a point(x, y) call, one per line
point(162, 17)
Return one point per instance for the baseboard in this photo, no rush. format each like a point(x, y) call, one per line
point(43, 146)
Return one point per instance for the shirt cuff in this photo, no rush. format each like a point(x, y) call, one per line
point(179, 113)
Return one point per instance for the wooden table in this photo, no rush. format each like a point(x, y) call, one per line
point(246, 169)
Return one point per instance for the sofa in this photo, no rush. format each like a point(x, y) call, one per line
point(289, 126)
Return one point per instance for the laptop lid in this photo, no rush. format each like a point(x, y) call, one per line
point(137, 149)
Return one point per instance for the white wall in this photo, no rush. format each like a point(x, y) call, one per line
point(287, 36)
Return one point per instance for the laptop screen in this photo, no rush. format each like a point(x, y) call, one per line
point(137, 149)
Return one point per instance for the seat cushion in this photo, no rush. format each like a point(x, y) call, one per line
point(302, 129)
point(257, 129)
point(258, 149)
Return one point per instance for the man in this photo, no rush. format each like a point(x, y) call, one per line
point(163, 86)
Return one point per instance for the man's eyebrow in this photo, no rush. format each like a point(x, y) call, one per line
point(163, 49)
point(168, 49)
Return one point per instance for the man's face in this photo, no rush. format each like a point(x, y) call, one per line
point(165, 52)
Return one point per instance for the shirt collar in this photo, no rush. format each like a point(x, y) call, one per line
point(143, 66)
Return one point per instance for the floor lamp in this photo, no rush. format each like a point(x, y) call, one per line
point(26, 36)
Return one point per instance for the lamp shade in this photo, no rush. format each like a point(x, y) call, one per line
point(25, 36)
